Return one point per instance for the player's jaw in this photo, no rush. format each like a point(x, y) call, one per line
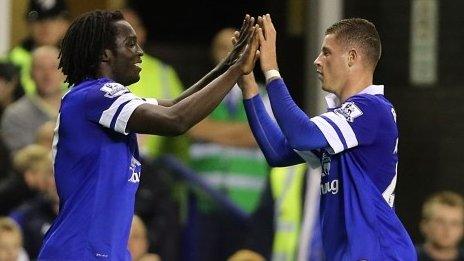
point(324, 80)
point(128, 72)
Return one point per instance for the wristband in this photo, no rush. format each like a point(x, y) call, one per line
point(271, 74)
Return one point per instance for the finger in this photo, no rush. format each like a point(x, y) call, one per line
point(254, 41)
point(260, 23)
point(266, 25)
point(252, 48)
point(236, 37)
point(271, 25)
point(258, 53)
point(243, 41)
point(249, 22)
point(249, 45)
point(244, 37)
point(261, 36)
point(245, 22)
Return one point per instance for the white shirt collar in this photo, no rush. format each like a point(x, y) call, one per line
point(333, 101)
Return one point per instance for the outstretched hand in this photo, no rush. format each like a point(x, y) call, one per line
point(247, 59)
point(240, 42)
point(267, 42)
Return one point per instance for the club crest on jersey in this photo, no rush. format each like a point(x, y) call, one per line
point(349, 111)
point(135, 170)
point(113, 89)
point(325, 162)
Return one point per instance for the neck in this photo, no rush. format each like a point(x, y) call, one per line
point(355, 85)
point(441, 253)
point(105, 71)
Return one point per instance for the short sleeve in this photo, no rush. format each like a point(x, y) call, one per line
point(111, 106)
point(354, 123)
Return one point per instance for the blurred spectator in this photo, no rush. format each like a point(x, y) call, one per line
point(138, 242)
point(275, 225)
point(32, 165)
point(11, 241)
point(10, 88)
point(10, 91)
point(44, 135)
point(160, 80)
point(22, 118)
point(36, 215)
point(47, 22)
point(225, 154)
point(442, 226)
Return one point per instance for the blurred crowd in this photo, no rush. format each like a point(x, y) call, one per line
point(174, 219)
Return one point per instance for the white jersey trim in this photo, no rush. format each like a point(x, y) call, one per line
point(389, 193)
point(56, 137)
point(108, 114)
point(329, 133)
point(126, 112)
point(344, 127)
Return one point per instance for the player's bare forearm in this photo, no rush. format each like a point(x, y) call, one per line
point(248, 85)
point(211, 75)
point(196, 107)
point(180, 117)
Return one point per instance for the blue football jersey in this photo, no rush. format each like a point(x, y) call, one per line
point(359, 174)
point(97, 172)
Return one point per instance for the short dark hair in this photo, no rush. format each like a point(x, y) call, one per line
point(84, 43)
point(361, 32)
point(11, 72)
point(8, 71)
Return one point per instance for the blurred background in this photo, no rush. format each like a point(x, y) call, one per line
point(422, 44)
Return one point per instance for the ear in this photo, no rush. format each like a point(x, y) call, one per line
point(106, 55)
point(352, 57)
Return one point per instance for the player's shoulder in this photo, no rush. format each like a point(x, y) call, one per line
point(366, 105)
point(370, 101)
point(102, 88)
point(112, 89)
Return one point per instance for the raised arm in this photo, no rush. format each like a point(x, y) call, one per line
point(301, 133)
point(268, 135)
point(181, 116)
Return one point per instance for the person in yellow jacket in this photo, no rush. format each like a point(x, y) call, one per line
point(276, 223)
point(160, 80)
point(47, 22)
